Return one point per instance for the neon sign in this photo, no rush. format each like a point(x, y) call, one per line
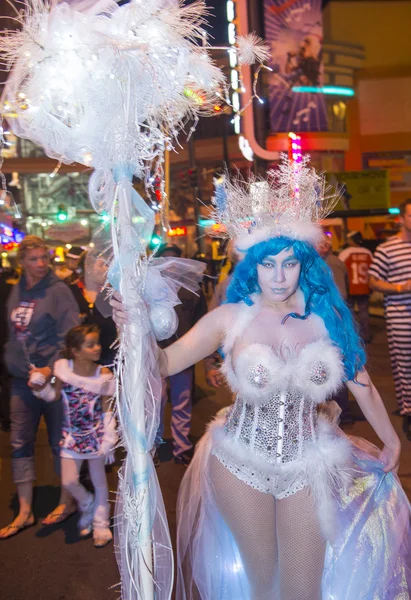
point(177, 231)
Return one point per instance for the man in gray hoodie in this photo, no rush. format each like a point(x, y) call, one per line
point(40, 310)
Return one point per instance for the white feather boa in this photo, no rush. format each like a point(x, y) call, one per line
point(103, 384)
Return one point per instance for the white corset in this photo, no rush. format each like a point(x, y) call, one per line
point(273, 424)
point(276, 430)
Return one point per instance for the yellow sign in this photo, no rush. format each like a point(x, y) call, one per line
point(362, 189)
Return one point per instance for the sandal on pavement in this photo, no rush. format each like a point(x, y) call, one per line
point(85, 532)
point(58, 516)
point(12, 530)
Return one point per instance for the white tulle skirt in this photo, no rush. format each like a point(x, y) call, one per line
point(369, 559)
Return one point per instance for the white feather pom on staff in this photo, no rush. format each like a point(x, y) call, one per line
point(252, 49)
point(205, 75)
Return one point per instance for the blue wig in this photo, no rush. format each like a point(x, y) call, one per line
point(322, 296)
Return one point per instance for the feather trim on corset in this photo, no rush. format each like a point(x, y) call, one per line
point(244, 318)
point(328, 464)
point(227, 370)
point(258, 370)
point(316, 371)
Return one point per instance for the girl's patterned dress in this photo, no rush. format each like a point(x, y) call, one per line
point(83, 426)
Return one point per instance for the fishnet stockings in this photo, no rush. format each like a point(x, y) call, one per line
point(279, 540)
point(301, 547)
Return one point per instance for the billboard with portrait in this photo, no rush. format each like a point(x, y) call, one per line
point(293, 29)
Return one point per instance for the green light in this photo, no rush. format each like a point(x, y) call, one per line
point(105, 218)
point(394, 211)
point(155, 240)
point(331, 90)
point(61, 217)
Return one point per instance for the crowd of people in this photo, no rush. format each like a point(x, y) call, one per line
point(45, 318)
point(57, 363)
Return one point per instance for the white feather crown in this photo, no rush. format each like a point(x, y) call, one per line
point(291, 202)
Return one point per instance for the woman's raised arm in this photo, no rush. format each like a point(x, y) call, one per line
point(202, 340)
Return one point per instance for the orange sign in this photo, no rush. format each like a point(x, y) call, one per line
point(177, 231)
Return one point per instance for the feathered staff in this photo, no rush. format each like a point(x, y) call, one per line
point(111, 87)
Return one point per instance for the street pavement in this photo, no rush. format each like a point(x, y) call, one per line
point(54, 564)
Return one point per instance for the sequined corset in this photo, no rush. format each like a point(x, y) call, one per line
point(275, 430)
point(275, 413)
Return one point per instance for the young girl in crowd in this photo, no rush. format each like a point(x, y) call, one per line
point(89, 431)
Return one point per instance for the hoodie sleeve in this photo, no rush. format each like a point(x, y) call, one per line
point(67, 316)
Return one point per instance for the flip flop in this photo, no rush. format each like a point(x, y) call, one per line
point(60, 517)
point(83, 533)
point(13, 530)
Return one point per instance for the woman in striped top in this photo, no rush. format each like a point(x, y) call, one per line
point(390, 273)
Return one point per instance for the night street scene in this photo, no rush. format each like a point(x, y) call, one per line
point(205, 289)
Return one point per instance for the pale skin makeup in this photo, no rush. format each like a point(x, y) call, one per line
point(278, 278)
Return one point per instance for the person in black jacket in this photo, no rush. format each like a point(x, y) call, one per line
point(191, 309)
point(86, 296)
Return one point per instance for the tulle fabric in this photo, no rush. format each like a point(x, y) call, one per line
point(131, 541)
point(370, 559)
point(208, 561)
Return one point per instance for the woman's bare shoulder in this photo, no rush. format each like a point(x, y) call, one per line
point(226, 312)
point(318, 324)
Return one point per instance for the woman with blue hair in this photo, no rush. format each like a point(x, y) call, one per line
point(278, 504)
